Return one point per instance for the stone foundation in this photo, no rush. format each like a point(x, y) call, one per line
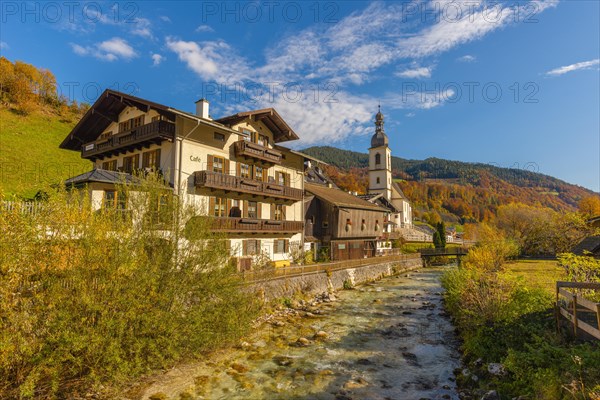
point(319, 282)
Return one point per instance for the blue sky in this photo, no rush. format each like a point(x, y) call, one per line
point(515, 84)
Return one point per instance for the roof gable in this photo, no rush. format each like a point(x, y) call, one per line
point(282, 132)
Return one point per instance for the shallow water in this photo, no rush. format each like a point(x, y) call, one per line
point(385, 340)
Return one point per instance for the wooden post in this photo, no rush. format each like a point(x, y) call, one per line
point(598, 314)
point(575, 314)
point(557, 310)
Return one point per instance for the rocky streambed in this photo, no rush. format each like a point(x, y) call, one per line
point(389, 339)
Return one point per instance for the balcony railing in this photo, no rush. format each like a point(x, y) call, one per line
point(244, 148)
point(219, 181)
point(250, 225)
point(154, 132)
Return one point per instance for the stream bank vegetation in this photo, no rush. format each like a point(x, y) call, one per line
point(91, 299)
point(504, 312)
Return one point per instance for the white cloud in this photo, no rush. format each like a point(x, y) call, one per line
point(141, 27)
point(157, 59)
point(165, 18)
point(108, 50)
point(573, 67)
point(417, 72)
point(4, 46)
point(213, 60)
point(204, 28)
point(467, 58)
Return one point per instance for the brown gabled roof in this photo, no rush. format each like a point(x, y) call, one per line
point(103, 112)
point(282, 132)
point(590, 244)
point(340, 198)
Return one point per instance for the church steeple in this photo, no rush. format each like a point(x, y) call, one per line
point(380, 160)
point(379, 138)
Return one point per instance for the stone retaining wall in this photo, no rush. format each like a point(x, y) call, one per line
point(319, 282)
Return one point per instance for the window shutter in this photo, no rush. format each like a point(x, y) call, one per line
point(258, 248)
point(283, 209)
point(145, 159)
point(157, 159)
point(209, 165)
point(272, 211)
point(245, 214)
point(211, 206)
point(228, 209)
point(265, 177)
point(288, 180)
point(226, 166)
point(286, 246)
point(258, 210)
point(277, 173)
point(244, 247)
point(238, 169)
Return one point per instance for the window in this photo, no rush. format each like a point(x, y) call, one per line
point(281, 246)
point(279, 212)
point(363, 225)
point(218, 164)
point(325, 224)
point(377, 159)
point(219, 136)
point(114, 200)
point(131, 163)
point(378, 180)
point(151, 159)
point(110, 165)
point(251, 247)
point(258, 173)
point(161, 210)
point(252, 209)
point(263, 140)
point(137, 121)
point(244, 170)
point(219, 207)
point(124, 126)
point(282, 179)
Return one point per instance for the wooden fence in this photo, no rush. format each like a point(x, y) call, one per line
point(582, 313)
point(288, 272)
point(25, 207)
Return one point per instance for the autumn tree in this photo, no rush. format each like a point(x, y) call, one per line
point(590, 206)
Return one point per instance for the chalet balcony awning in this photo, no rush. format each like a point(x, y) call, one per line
point(245, 186)
point(258, 153)
point(136, 138)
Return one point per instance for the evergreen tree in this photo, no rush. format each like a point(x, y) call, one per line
point(437, 241)
point(441, 231)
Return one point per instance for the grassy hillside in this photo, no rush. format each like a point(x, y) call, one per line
point(29, 153)
point(457, 191)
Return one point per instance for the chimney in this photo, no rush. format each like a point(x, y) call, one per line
point(202, 108)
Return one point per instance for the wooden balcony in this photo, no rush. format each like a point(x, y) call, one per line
point(136, 138)
point(255, 226)
point(245, 149)
point(244, 186)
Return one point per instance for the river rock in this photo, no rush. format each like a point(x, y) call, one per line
point(491, 395)
point(321, 335)
point(283, 361)
point(355, 384)
point(496, 369)
point(303, 341)
point(278, 323)
point(239, 367)
point(364, 361)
